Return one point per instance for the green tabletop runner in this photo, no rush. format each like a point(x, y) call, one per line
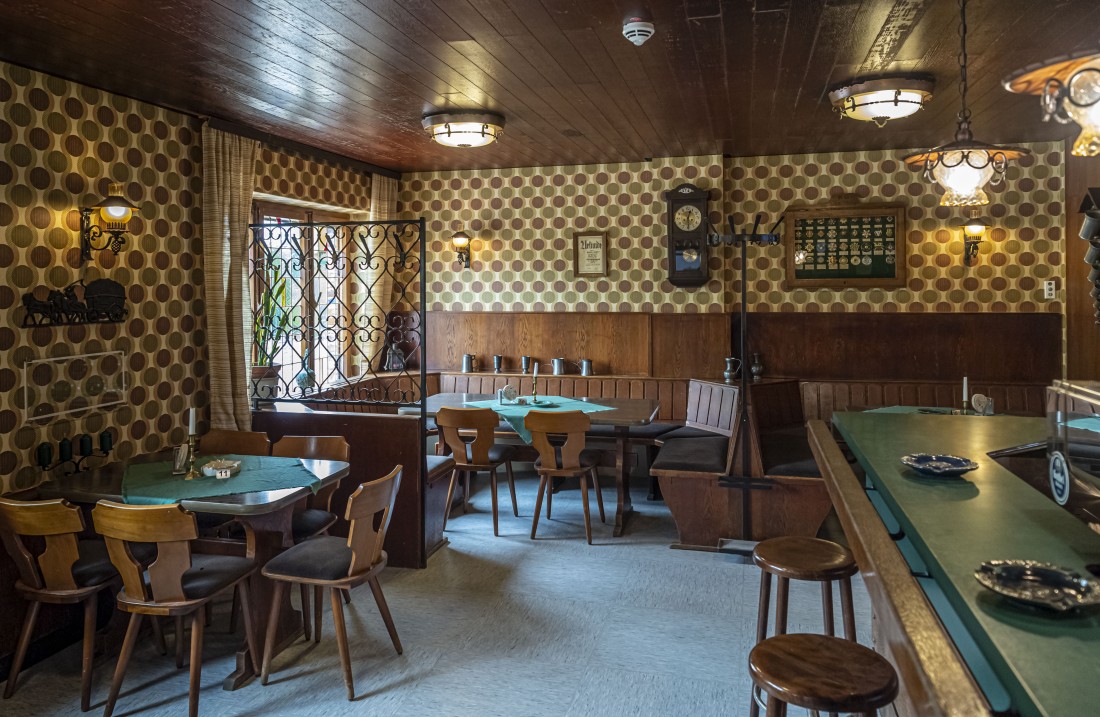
point(154, 484)
point(514, 413)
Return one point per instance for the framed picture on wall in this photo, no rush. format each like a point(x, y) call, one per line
point(842, 247)
point(590, 253)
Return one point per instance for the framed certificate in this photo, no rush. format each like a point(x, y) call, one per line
point(590, 253)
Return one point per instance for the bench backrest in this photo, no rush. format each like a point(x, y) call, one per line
point(712, 406)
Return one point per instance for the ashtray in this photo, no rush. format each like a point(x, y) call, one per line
point(934, 464)
point(1039, 584)
point(221, 468)
point(542, 404)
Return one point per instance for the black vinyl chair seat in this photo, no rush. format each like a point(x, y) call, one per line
point(589, 458)
point(210, 574)
point(647, 432)
point(690, 432)
point(439, 464)
point(94, 566)
point(325, 557)
point(310, 522)
point(786, 452)
point(500, 453)
point(695, 455)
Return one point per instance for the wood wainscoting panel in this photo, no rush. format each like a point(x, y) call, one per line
point(992, 347)
point(821, 398)
point(690, 345)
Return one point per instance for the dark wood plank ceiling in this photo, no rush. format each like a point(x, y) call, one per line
point(741, 77)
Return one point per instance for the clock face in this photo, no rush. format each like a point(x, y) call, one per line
point(688, 218)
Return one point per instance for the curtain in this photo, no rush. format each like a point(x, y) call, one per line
point(229, 167)
point(378, 270)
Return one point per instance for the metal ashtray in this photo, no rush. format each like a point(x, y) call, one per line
point(935, 464)
point(1039, 584)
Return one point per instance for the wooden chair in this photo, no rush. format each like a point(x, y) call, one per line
point(242, 443)
point(69, 571)
point(317, 517)
point(339, 564)
point(563, 459)
point(470, 434)
point(176, 584)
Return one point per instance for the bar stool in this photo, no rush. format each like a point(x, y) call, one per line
point(799, 558)
point(821, 674)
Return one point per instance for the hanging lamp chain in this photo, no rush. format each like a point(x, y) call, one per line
point(963, 132)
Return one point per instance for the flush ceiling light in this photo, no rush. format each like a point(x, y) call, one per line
point(881, 99)
point(464, 129)
point(1069, 91)
point(963, 167)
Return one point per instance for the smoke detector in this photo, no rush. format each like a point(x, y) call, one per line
point(637, 30)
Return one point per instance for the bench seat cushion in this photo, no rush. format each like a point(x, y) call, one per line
point(690, 432)
point(694, 455)
point(786, 452)
point(438, 465)
point(640, 433)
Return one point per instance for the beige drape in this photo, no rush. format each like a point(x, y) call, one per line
point(228, 178)
point(378, 274)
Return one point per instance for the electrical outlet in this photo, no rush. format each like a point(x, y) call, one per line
point(1049, 291)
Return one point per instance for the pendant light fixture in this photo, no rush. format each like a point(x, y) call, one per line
point(464, 129)
point(1069, 91)
point(964, 167)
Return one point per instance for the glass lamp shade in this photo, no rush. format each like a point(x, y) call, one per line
point(963, 182)
point(974, 231)
point(464, 134)
point(1082, 104)
point(116, 208)
point(460, 240)
point(881, 106)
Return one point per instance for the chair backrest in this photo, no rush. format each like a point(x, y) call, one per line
point(57, 523)
point(547, 429)
point(242, 443)
point(323, 448)
point(712, 406)
point(468, 450)
point(369, 511)
point(169, 526)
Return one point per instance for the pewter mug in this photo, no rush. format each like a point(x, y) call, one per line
point(469, 363)
point(586, 367)
point(558, 366)
point(498, 363)
point(524, 364)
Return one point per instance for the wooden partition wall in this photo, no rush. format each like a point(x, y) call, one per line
point(619, 344)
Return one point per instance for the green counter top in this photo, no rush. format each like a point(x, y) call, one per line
point(1050, 664)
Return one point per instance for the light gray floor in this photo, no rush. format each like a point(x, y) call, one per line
point(495, 626)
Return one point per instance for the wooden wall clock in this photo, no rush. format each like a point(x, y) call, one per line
point(687, 235)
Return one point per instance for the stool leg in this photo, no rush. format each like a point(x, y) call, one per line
point(538, 505)
point(587, 517)
point(549, 495)
point(512, 487)
point(493, 491)
point(450, 497)
point(599, 494)
point(761, 629)
point(827, 606)
point(781, 590)
point(318, 610)
point(847, 609)
point(775, 707)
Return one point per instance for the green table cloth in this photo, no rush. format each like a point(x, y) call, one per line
point(514, 413)
point(154, 483)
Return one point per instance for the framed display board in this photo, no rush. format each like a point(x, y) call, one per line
point(590, 253)
point(839, 247)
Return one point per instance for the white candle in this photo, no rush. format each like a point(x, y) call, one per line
point(536, 369)
point(191, 422)
point(965, 393)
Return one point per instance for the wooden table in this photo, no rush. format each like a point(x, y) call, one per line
point(1025, 661)
point(267, 513)
point(626, 412)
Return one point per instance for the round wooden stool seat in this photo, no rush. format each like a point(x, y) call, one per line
point(823, 673)
point(799, 558)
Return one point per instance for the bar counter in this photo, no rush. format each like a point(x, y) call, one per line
point(1025, 661)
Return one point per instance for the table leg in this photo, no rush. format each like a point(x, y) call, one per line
point(268, 535)
point(623, 508)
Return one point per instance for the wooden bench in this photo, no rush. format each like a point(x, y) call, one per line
point(821, 398)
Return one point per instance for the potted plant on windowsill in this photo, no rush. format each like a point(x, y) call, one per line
point(269, 332)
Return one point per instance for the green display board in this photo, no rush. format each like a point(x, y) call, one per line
point(841, 247)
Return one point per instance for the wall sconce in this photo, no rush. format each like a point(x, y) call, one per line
point(461, 243)
point(974, 231)
point(114, 216)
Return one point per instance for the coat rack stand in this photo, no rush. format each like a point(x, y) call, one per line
point(743, 480)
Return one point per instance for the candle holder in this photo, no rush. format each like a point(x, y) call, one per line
point(191, 473)
point(535, 390)
point(76, 462)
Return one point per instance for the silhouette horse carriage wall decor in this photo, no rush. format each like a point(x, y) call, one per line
point(101, 301)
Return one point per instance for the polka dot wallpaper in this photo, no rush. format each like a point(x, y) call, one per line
point(304, 179)
point(522, 223)
point(1026, 239)
point(522, 220)
point(61, 145)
